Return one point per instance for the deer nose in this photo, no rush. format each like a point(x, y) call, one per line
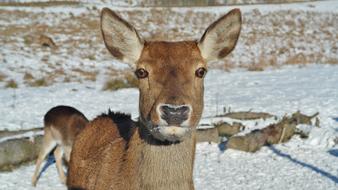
point(173, 114)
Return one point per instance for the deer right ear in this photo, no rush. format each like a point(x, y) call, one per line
point(120, 38)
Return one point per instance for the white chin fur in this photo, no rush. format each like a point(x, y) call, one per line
point(170, 133)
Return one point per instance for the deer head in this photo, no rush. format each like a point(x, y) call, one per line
point(170, 74)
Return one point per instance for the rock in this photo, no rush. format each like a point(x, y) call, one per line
point(15, 152)
point(272, 134)
point(304, 119)
point(207, 135)
point(247, 115)
point(226, 130)
point(248, 143)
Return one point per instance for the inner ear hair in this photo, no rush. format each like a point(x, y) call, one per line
point(220, 38)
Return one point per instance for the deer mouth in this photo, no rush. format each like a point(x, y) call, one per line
point(170, 133)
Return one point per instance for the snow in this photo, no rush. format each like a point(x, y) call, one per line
point(318, 6)
point(298, 164)
point(29, 134)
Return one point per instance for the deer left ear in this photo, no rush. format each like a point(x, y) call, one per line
point(220, 37)
point(120, 38)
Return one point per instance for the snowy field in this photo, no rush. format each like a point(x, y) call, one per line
point(273, 36)
point(298, 164)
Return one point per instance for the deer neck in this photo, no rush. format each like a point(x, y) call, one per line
point(161, 165)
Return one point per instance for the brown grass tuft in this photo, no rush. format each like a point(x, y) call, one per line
point(332, 61)
point(28, 76)
point(87, 75)
point(11, 84)
point(128, 81)
point(40, 3)
point(2, 77)
point(298, 59)
point(39, 82)
point(131, 80)
point(115, 84)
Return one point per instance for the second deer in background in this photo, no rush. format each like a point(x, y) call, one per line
point(61, 125)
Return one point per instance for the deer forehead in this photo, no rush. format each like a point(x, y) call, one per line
point(171, 56)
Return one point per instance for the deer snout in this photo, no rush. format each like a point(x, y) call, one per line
point(174, 114)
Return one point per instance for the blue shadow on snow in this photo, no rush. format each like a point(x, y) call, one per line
point(335, 118)
point(222, 146)
point(333, 152)
point(50, 160)
point(306, 165)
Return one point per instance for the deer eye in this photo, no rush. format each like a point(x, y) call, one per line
point(141, 73)
point(200, 72)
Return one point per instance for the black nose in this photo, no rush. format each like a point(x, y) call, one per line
point(174, 115)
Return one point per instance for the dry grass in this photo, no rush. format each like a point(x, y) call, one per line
point(40, 4)
point(91, 57)
point(87, 75)
point(2, 76)
point(131, 79)
point(66, 79)
point(115, 84)
point(28, 76)
point(127, 81)
point(193, 3)
point(11, 84)
point(298, 59)
point(283, 35)
point(262, 62)
point(28, 40)
point(332, 61)
point(40, 82)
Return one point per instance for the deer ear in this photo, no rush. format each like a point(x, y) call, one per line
point(120, 38)
point(220, 37)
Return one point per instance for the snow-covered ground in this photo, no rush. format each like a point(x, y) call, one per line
point(272, 35)
point(298, 164)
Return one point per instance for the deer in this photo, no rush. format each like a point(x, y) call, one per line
point(158, 150)
point(61, 125)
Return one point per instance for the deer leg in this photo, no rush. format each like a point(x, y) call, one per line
point(67, 150)
point(48, 145)
point(58, 153)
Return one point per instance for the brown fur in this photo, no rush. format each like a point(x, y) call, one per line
point(132, 159)
point(114, 153)
point(180, 59)
point(61, 125)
